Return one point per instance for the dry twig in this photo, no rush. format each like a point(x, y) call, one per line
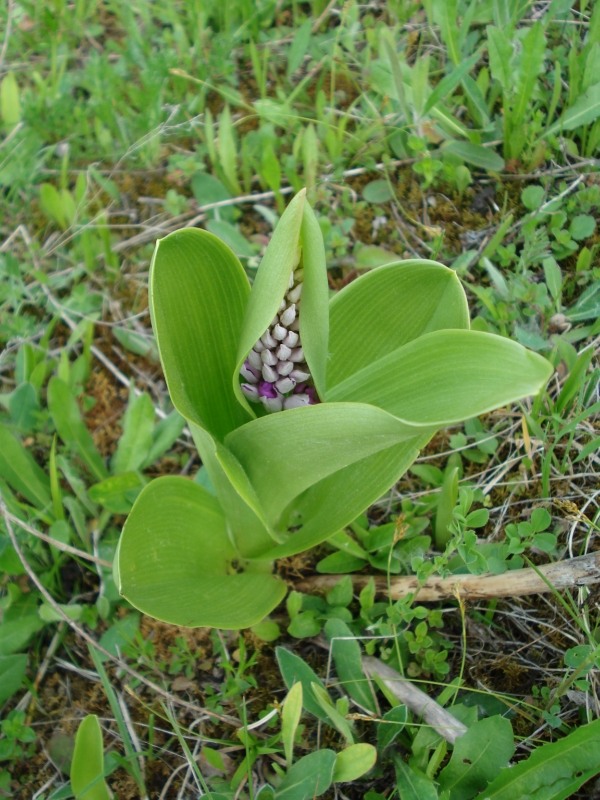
point(570, 573)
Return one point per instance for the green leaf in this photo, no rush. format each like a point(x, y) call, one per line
point(71, 427)
point(391, 725)
point(310, 777)
point(231, 236)
point(294, 670)
point(477, 757)
point(378, 191)
point(413, 784)
point(353, 762)
point(12, 674)
point(348, 664)
point(447, 376)
point(388, 308)
point(176, 561)
point(284, 454)
point(136, 439)
point(340, 563)
point(336, 501)
point(118, 492)
point(290, 717)
point(586, 109)
point(296, 242)
point(582, 226)
point(532, 197)
point(334, 716)
point(198, 295)
point(553, 771)
point(476, 154)
point(87, 766)
point(19, 469)
point(15, 633)
point(500, 53)
point(10, 104)
point(164, 435)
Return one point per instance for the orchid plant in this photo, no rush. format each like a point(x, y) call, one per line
point(304, 409)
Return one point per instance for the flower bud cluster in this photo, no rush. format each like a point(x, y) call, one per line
point(275, 372)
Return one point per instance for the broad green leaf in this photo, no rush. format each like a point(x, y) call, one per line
point(198, 294)
point(10, 104)
point(337, 500)
point(294, 670)
point(165, 434)
point(247, 523)
point(477, 758)
point(413, 784)
point(391, 725)
point(449, 82)
point(353, 762)
point(553, 771)
point(176, 561)
point(584, 110)
point(378, 191)
point(136, 439)
point(118, 492)
point(87, 766)
point(19, 469)
point(15, 633)
point(271, 281)
point(500, 51)
point(71, 427)
point(314, 316)
point(310, 777)
point(284, 454)
point(290, 717)
point(531, 65)
point(389, 307)
point(297, 242)
point(476, 154)
point(447, 376)
point(334, 716)
point(12, 673)
point(348, 664)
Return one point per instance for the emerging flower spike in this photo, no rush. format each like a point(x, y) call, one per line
point(275, 372)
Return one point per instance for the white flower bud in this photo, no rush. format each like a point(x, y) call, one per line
point(285, 385)
point(297, 355)
point(268, 357)
point(283, 352)
point(285, 367)
point(296, 401)
point(249, 374)
point(268, 340)
point(298, 375)
point(251, 392)
point(269, 374)
point(295, 294)
point(272, 403)
point(279, 333)
point(291, 340)
point(299, 275)
point(255, 360)
point(295, 325)
point(288, 316)
point(259, 347)
point(291, 281)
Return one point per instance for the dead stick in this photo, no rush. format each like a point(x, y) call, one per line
point(572, 572)
point(419, 703)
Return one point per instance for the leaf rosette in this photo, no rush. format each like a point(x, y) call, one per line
point(383, 365)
